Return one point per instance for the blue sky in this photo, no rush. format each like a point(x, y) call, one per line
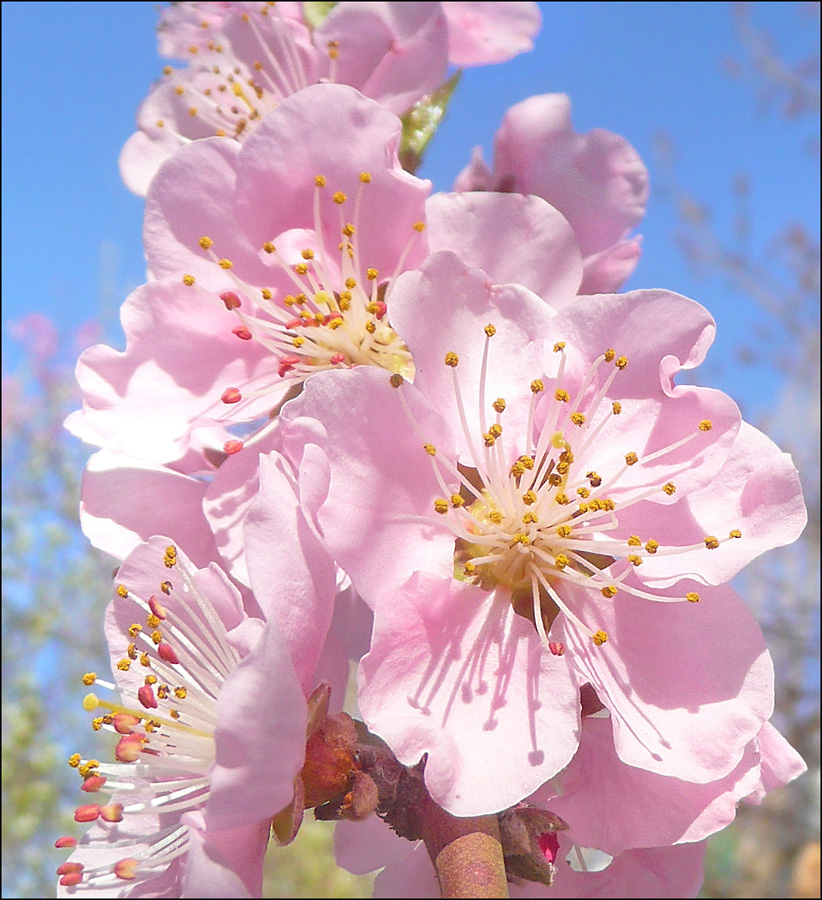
point(75, 73)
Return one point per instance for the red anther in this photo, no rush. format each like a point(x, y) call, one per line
point(557, 648)
point(548, 842)
point(294, 323)
point(231, 300)
point(126, 868)
point(128, 748)
point(337, 358)
point(146, 696)
point(168, 653)
point(65, 841)
point(242, 333)
point(156, 607)
point(71, 879)
point(68, 867)
point(231, 395)
point(287, 363)
point(93, 783)
point(382, 309)
point(112, 813)
point(232, 447)
point(87, 813)
point(124, 722)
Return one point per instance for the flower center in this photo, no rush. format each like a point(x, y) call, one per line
point(333, 316)
point(528, 523)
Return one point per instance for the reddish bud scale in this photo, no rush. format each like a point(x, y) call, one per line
point(232, 447)
point(231, 395)
point(93, 783)
point(231, 300)
point(88, 813)
point(168, 653)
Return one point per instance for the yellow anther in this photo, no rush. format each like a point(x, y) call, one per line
point(430, 449)
point(301, 268)
point(711, 542)
point(706, 425)
point(307, 253)
point(555, 479)
point(736, 533)
point(371, 327)
point(451, 359)
point(561, 395)
point(74, 759)
point(578, 418)
point(419, 226)
point(205, 242)
point(396, 380)
point(530, 518)
point(561, 561)
point(490, 329)
point(89, 678)
point(495, 430)
point(499, 405)
point(220, 132)
point(131, 651)
point(345, 301)
point(339, 197)
point(527, 461)
point(365, 177)
point(496, 517)
point(160, 123)
point(616, 406)
point(124, 665)
point(441, 506)
point(134, 629)
point(469, 568)
point(622, 362)
point(593, 478)
point(348, 230)
point(97, 724)
point(457, 500)
point(583, 507)
point(266, 294)
point(518, 469)
point(560, 345)
point(692, 597)
point(521, 538)
point(150, 679)
point(192, 111)
point(298, 341)
point(269, 247)
point(122, 590)
point(564, 531)
point(631, 459)
point(609, 355)
point(634, 559)
point(157, 636)
point(180, 693)
point(145, 660)
point(634, 541)
point(609, 591)
point(583, 492)
point(188, 279)
point(562, 499)
point(166, 587)
point(599, 638)
point(489, 439)
point(350, 283)
point(652, 546)
point(537, 385)
point(372, 274)
point(529, 498)
point(669, 488)
point(167, 70)
point(174, 713)
point(319, 180)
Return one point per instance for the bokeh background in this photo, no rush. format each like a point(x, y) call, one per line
point(722, 102)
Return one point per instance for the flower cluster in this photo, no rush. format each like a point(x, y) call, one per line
point(423, 432)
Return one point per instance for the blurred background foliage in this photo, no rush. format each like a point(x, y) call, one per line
point(55, 586)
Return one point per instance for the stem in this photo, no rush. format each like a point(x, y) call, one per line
point(466, 853)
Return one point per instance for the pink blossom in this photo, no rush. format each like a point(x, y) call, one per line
point(597, 181)
point(193, 789)
point(482, 33)
point(246, 58)
point(470, 569)
point(252, 291)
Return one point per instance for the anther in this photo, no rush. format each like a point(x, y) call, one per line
point(705, 425)
point(232, 447)
point(561, 395)
point(692, 597)
point(631, 458)
point(669, 488)
point(231, 300)
point(490, 330)
point(537, 385)
point(499, 405)
point(451, 359)
point(205, 242)
point(711, 542)
point(231, 395)
point(441, 506)
point(188, 280)
point(396, 380)
point(599, 638)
